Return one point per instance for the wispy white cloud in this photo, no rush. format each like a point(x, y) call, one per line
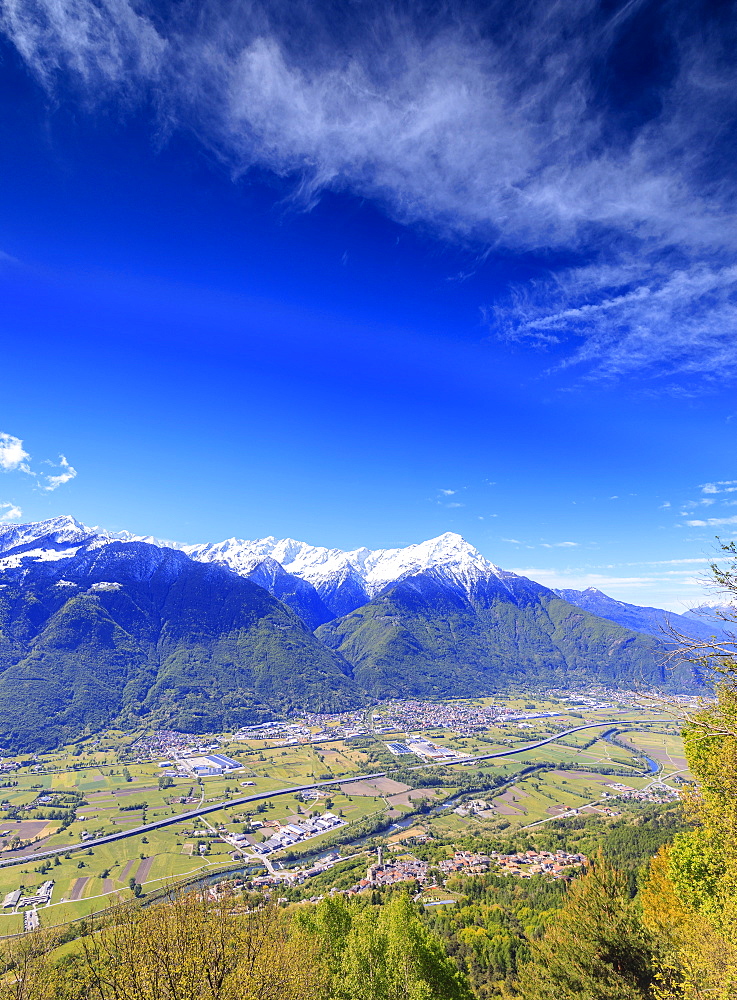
point(442, 498)
point(725, 486)
point(711, 522)
point(66, 475)
point(682, 572)
point(542, 545)
point(690, 505)
point(581, 579)
point(14, 458)
point(500, 137)
point(671, 562)
point(679, 318)
point(10, 512)
point(673, 590)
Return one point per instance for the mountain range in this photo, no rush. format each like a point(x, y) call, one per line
point(101, 628)
point(700, 623)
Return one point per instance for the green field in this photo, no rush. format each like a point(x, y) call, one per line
point(118, 789)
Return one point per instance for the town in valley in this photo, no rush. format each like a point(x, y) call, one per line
point(352, 802)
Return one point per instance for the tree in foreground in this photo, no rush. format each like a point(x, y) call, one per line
point(689, 899)
point(595, 947)
point(193, 948)
point(187, 948)
point(382, 953)
point(25, 972)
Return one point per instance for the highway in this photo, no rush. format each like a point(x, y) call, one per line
point(291, 789)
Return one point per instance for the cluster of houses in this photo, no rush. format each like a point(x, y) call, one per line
point(296, 876)
point(464, 718)
point(656, 792)
point(407, 869)
point(395, 871)
point(41, 897)
point(286, 732)
point(465, 862)
point(165, 741)
point(528, 863)
point(293, 833)
point(473, 806)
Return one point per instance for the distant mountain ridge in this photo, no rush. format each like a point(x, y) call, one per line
point(344, 580)
point(666, 626)
point(320, 583)
point(333, 582)
point(715, 616)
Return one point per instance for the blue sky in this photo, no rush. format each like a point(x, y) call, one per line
point(364, 273)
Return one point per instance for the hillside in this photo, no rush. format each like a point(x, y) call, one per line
point(422, 637)
point(132, 634)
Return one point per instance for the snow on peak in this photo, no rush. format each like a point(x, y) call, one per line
point(64, 530)
point(713, 610)
point(369, 569)
point(449, 552)
point(56, 538)
point(373, 568)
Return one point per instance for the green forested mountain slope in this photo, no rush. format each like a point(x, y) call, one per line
point(132, 633)
point(421, 637)
point(96, 631)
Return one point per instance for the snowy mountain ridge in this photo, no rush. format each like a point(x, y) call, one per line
point(321, 583)
point(367, 570)
point(374, 568)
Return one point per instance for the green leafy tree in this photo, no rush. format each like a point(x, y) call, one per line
point(595, 947)
point(694, 881)
point(383, 952)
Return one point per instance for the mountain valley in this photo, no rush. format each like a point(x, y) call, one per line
point(100, 628)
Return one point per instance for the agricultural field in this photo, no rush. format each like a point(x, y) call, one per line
point(666, 748)
point(121, 782)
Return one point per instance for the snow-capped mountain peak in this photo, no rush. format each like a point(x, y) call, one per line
point(53, 532)
point(65, 530)
point(449, 552)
